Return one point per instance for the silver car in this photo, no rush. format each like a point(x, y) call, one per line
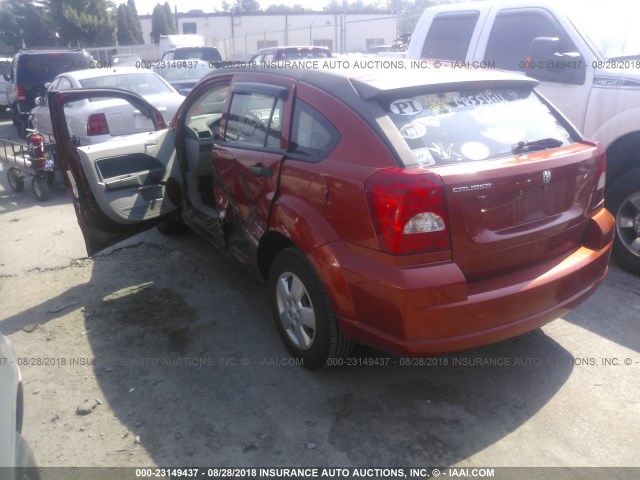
point(96, 120)
point(16, 459)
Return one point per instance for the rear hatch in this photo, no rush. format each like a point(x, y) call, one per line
point(518, 184)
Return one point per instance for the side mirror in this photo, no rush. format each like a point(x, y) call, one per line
point(548, 62)
point(6, 76)
point(40, 101)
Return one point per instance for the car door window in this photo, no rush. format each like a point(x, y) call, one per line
point(450, 35)
point(312, 135)
point(254, 120)
point(513, 32)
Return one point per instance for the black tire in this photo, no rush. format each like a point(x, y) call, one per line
point(319, 339)
point(623, 201)
point(40, 188)
point(15, 179)
point(172, 226)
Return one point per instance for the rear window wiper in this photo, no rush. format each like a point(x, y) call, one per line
point(533, 145)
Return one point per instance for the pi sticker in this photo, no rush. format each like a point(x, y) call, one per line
point(406, 106)
point(413, 130)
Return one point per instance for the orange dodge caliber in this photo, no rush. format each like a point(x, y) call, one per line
point(419, 211)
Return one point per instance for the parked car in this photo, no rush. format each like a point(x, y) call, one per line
point(587, 59)
point(421, 214)
point(5, 69)
point(95, 120)
point(209, 54)
point(126, 60)
point(31, 71)
point(279, 54)
point(183, 74)
point(16, 458)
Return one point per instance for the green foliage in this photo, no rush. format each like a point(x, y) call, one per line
point(245, 6)
point(86, 23)
point(83, 22)
point(170, 18)
point(135, 26)
point(159, 23)
point(24, 21)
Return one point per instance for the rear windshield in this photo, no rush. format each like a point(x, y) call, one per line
point(144, 83)
point(472, 125)
point(38, 69)
point(197, 53)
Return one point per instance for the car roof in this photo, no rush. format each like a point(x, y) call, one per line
point(371, 82)
point(102, 72)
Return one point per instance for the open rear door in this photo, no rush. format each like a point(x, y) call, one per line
point(118, 186)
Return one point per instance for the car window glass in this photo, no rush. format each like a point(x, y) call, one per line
point(513, 33)
point(254, 120)
point(144, 83)
point(54, 85)
point(205, 113)
point(449, 36)
point(472, 125)
point(312, 135)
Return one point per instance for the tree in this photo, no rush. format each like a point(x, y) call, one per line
point(245, 6)
point(170, 18)
point(226, 6)
point(159, 23)
point(25, 21)
point(83, 22)
point(285, 8)
point(135, 22)
point(126, 36)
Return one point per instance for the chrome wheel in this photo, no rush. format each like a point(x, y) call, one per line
point(295, 310)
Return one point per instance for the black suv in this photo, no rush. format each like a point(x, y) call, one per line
point(31, 71)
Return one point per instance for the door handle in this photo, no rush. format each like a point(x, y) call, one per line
point(260, 170)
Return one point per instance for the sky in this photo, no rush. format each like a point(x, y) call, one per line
point(207, 6)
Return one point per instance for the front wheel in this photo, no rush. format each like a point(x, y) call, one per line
point(16, 180)
point(303, 313)
point(624, 203)
point(41, 188)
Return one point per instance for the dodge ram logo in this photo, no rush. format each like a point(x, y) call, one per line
point(546, 177)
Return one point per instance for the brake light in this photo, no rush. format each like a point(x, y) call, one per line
point(21, 93)
point(97, 125)
point(408, 210)
point(597, 200)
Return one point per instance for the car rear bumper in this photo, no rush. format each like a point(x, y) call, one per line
point(430, 310)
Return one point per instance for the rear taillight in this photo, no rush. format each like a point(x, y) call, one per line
point(597, 200)
point(408, 211)
point(97, 125)
point(21, 93)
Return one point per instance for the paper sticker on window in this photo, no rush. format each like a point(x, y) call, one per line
point(423, 157)
point(442, 109)
point(406, 106)
point(475, 151)
point(413, 130)
point(445, 153)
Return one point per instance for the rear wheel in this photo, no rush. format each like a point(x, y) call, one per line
point(303, 313)
point(16, 180)
point(624, 203)
point(41, 188)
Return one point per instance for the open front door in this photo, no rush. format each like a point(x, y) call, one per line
point(118, 186)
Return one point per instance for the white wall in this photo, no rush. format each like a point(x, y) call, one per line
point(237, 36)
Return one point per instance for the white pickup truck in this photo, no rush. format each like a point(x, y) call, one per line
point(586, 56)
